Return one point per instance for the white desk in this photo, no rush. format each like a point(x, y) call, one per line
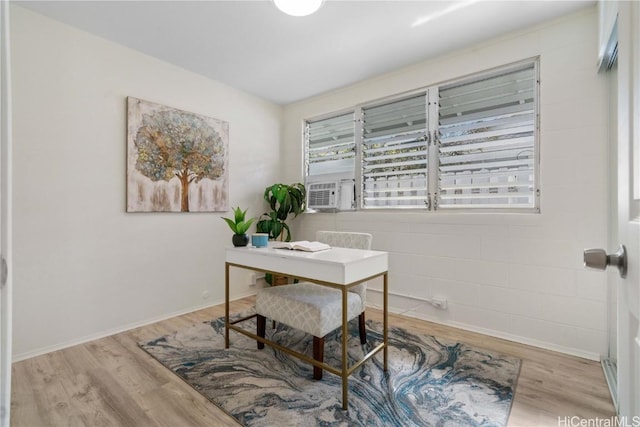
point(339, 268)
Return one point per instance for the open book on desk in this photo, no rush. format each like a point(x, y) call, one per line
point(302, 245)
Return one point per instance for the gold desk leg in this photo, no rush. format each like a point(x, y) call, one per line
point(345, 369)
point(386, 319)
point(226, 305)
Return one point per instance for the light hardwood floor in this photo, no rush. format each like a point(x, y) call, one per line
point(111, 382)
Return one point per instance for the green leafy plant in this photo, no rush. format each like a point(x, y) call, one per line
point(238, 224)
point(283, 200)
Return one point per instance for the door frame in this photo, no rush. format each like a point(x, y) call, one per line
point(6, 298)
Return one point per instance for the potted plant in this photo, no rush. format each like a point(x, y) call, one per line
point(239, 226)
point(283, 200)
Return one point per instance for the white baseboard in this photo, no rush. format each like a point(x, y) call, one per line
point(502, 335)
point(464, 326)
point(124, 328)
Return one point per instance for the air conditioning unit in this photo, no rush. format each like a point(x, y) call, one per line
point(323, 195)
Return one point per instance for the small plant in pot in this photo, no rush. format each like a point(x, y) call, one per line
point(239, 226)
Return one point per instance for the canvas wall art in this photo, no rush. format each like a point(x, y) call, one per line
point(176, 160)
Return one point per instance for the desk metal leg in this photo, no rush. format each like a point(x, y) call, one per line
point(385, 326)
point(226, 305)
point(345, 371)
point(345, 368)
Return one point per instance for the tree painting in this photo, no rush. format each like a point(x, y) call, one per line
point(171, 152)
point(175, 143)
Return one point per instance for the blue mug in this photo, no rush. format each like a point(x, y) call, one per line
point(260, 240)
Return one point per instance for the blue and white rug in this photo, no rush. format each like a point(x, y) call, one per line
point(428, 383)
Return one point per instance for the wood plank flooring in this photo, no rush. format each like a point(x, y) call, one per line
point(111, 382)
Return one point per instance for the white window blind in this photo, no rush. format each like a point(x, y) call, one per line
point(331, 145)
point(487, 141)
point(394, 154)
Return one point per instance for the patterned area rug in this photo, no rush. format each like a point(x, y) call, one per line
point(428, 383)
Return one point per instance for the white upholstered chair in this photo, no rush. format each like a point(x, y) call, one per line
point(312, 308)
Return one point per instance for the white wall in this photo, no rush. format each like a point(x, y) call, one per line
point(84, 267)
point(517, 276)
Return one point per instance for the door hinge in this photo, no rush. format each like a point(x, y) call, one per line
point(4, 272)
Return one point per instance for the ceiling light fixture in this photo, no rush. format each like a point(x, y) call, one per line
point(298, 7)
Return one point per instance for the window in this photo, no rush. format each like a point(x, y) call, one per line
point(394, 154)
point(330, 145)
point(466, 144)
point(486, 141)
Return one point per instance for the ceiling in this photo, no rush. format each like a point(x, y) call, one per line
point(252, 46)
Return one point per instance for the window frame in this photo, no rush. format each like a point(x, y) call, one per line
point(327, 116)
point(431, 92)
point(361, 146)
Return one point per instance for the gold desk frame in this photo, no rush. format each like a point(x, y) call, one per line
point(346, 370)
